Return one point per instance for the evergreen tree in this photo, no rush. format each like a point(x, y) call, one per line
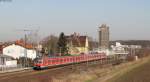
point(62, 44)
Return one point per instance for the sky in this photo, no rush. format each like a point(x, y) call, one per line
point(127, 19)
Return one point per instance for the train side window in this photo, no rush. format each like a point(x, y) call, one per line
point(53, 61)
point(57, 60)
point(49, 61)
point(61, 60)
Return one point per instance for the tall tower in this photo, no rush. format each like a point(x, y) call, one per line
point(104, 36)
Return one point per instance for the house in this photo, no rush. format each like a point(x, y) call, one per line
point(77, 44)
point(17, 51)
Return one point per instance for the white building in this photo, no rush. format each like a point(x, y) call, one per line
point(119, 48)
point(17, 51)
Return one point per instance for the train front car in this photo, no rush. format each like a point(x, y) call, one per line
point(39, 64)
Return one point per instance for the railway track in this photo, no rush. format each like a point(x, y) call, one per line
point(24, 73)
point(9, 77)
point(102, 62)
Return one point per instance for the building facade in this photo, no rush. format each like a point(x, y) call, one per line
point(104, 36)
point(77, 44)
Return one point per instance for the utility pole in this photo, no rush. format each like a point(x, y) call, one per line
point(29, 35)
point(25, 63)
point(60, 50)
point(25, 52)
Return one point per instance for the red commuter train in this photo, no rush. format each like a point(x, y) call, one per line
point(46, 62)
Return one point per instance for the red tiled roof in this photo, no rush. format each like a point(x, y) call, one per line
point(22, 43)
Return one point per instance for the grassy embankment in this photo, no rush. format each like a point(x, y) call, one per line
point(136, 73)
point(125, 72)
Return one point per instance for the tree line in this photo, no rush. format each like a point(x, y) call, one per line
point(53, 44)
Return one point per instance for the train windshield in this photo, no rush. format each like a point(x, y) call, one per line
point(38, 60)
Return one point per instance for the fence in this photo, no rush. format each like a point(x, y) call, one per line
point(11, 67)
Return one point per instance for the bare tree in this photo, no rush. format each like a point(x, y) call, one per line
point(50, 44)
